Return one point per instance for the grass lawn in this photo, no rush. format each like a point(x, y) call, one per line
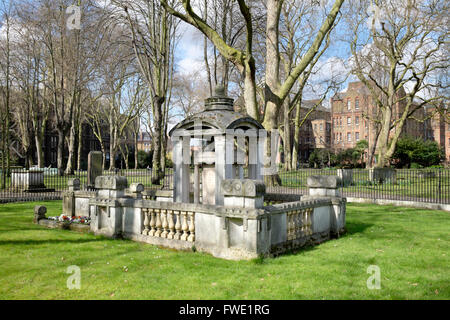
point(410, 246)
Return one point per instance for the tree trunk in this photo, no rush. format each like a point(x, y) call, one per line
point(136, 150)
point(156, 161)
point(80, 144)
point(287, 137)
point(60, 159)
point(71, 147)
point(39, 150)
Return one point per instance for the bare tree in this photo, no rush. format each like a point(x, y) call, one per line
point(398, 47)
point(6, 11)
point(153, 38)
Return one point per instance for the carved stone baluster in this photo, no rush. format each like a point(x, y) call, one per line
point(310, 214)
point(146, 222)
point(158, 223)
point(297, 224)
point(300, 223)
point(185, 227)
point(290, 223)
point(177, 235)
point(152, 223)
point(165, 224)
point(171, 225)
point(191, 237)
point(303, 228)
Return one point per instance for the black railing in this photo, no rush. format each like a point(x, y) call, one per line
point(421, 185)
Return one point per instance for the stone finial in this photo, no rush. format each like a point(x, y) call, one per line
point(219, 91)
point(74, 184)
point(219, 101)
point(39, 213)
point(111, 183)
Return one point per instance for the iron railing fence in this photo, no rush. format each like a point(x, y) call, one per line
point(421, 185)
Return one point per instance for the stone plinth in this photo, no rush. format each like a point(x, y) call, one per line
point(324, 186)
point(33, 179)
point(111, 186)
point(328, 187)
point(243, 193)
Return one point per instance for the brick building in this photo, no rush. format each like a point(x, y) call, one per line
point(352, 115)
point(315, 133)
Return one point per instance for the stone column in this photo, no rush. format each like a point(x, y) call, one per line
point(254, 160)
point(223, 171)
point(181, 183)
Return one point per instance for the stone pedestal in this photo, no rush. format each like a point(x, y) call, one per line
point(324, 186)
point(105, 210)
point(32, 180)
point(243, 193)
point(328, 187)
point(69, 197)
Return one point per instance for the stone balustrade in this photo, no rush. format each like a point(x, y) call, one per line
point(169, 224)
point(242, 228)
point(299, 223)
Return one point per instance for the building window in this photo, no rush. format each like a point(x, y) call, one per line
point(357, 104)
point(315, 127)
point(349, 105)
point(321, 127)
point(349, 121)
point(357, 121)
point(357, 136)
point(349, 136)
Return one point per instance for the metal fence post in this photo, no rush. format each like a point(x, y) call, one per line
point(439, 186)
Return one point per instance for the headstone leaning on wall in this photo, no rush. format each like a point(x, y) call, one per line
point(95, 167)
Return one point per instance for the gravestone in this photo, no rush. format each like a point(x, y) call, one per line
point(383, 175)
point(95, 167)
point(346, 176)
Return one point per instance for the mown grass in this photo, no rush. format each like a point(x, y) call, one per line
point(410, 246)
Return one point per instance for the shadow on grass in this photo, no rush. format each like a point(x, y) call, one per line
point(48, 241)
point(356, 227)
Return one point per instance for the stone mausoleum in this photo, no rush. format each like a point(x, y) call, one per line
point(219, 203)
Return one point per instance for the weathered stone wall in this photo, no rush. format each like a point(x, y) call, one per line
point(243, 228)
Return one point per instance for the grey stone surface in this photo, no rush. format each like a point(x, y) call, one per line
point(328, 182)
point(39, 213)
point(243, 188)
point(237, 230)
point(95, 167)
point(28, 180)
point(111, 183)
point(69, 203)
point(322, 219)
point(136, 189)
point(74, 184)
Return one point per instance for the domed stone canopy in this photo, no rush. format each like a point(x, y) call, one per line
point(218, 114)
